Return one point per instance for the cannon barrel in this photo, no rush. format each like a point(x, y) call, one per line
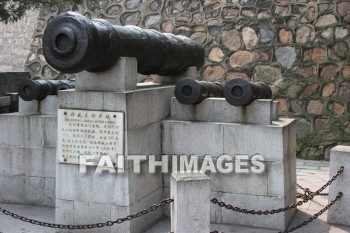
point(189, 91)
point(39, 89)
point(73, 43)
point(239, 92)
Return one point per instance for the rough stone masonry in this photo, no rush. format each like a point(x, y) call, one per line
point(300, 48)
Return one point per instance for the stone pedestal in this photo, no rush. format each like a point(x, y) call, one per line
point(214, 128)
point(28, 153)
point(340, 212)
point(84, 198)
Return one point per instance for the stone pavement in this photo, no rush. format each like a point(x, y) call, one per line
point(311, 174)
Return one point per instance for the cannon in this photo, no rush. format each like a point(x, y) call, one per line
point(239, 92)
point(189, 91)
point(73, 43)
point(39, 89)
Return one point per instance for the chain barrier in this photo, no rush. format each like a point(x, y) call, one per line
point(310, 196)
point(315, 216)
point(89, 226)
point(307, 193)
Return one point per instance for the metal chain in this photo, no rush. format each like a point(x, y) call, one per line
point(89, 226)
point(307, 192)
point(315, 216)
point(275, 211)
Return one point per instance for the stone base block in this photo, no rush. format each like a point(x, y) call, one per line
point(218, 110)
point(47, 106)
point(121, 77)
point(141, 107)
point(27, 190)
point(276, 221)
point(340, 212)
point(77, 212)
point(274, 142)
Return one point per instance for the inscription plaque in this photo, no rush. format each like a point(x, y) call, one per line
point(90, 134)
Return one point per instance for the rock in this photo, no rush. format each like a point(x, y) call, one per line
point(199, 37)
point(285, 36)
point(341, 32)
point(286, 56)
point(338, 108)
point(247, 2)
point(303, 128)
point(232, 75)
point(248, 12)
point(131, 4)
point(114, 10)
point(216, 55)
point(305, 34)
point(315, 107)
point(155, 5)
point(242, 58)
point(281, 10)
point(307, 56)
point(296, 106)
point(131, 18)
point(250, 38)
point(307, 72)
point(329, 72)
point(344, 10)
point(152, 20)
point(309, 90)
point(329, 89)
point(48, 73)
point(35, 67)
point(320, 123)
point(294, 90)
point(309, 16)
point(318, 54)
point(328, 33)
point(283, 106)
point(176, 7)
point(214, 30)
point(230, 12)
point(186, 18)
point(231, 39)
point(346, 71)
point(212, 10)
point(267, 35)
point(340, 50)
point(326, 20)
point(167, 26)
point(344, 89)
point(213, 73)
point(266, 74)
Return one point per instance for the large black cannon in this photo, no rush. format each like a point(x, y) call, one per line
point(73, 43)
point(239, 92)
point(189, 91)
point(39, 89)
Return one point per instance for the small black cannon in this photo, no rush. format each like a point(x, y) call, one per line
point(39, 89)
point(73, 43)
point(239, 92)
point(189, 91)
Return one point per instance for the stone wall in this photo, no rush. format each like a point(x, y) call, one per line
point(15, 39)
point(298, 47)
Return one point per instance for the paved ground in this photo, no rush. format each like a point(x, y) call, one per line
point(312, 174)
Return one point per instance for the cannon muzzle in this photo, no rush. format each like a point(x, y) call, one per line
point(73, 43)
point(239, 92)
point(189, 91)
point(39, 89)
